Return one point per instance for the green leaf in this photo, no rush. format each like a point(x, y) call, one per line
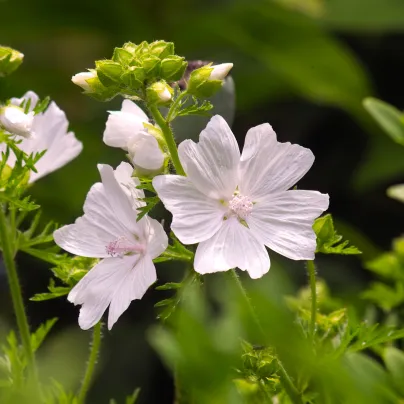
point(54, 292)
point(133, 397)
point(328, 241)
point(390, 119)
point(201, 109)
point(41, 332)
point(385, 296)
point(151, 202)
point(394, 360)
point(169, 286)
point(42, 105)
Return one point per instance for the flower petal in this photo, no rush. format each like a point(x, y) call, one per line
point(132, 285)
point(196, 217)
point(123, 207)
point(157, 237)
point(28, 96)
point(123, 174)
point(145, 152)
point(91, 233)
point(212, 164)
point(268, 166)
point(51, 134)
point(232, 246)
point(122, 125)
point(283, 222)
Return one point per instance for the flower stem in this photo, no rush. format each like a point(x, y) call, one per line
point(286, 381)
point(311, 269)
point(169, 138)
point(16, 295)
point(174, 106)
point(92, 360)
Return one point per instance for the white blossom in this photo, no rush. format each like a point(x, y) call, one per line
point(80, 79)
point(220, 71)
point(109, 230)
point(51, 134)
point(125, 129)
point(234, 205)
point(16, 121)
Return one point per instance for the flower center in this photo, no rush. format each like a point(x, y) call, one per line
point(241, 206)
point(122, 246)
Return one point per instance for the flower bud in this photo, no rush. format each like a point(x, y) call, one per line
point(220, 72)
point(159, 93)
point(109, 72)
point(161, 49)
point(93, 87)
point(134, 77)
point(81, 80)
point(145, 154)
point(207, 80)
point(173, 68)
point(10, 60)
point(151, 66)
point(16, 121)
point(130, 47)
point(122, 56)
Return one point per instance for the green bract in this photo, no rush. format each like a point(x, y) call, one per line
point(10, 60)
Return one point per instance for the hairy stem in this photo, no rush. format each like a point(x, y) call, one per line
point(16, 294)
point(169, 138)
point(311, 269)
point(92, 361)
point(286, 381)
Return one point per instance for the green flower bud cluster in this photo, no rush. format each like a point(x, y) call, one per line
point(133, 68)
point(10, 60)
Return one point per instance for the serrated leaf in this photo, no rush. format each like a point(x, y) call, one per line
point(41, 332)
point(169, 286)
point(41, 105)
point(197, 109)
point(151, 202)
point(165, 302)
point(328, 241)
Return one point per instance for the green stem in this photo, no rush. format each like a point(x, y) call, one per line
point(169, 138)
point(174, 106)
point(16, 294)
point(288, 385)
point(92, 360)
point(311, 269)
point(286, 381)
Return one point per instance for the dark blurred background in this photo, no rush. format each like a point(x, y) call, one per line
point(302, 65)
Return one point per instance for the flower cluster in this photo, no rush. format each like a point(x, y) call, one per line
point(232, 205)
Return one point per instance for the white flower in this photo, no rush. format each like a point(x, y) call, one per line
point(220, 72)
point(125, 129)
point(80, 79)
point(109, 230)
point(51, 134)
point(16, 121)
point(234, 206)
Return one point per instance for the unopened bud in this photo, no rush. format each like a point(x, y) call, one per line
point(220, 72)
point(109, 72)
point(151, 65)
point(159, 93)
point(16, 121)
point(134, 77)
point(10, 60)
point(173, 68)
point(161, 49)
point(122, 56)
point(81, 80)
point(208, 80)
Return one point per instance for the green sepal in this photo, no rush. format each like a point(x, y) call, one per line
point(200, 85)
point(122, 56)
point(10, 60)
point(161, 49)
point(173, 68)
point(133, 77)
point(109, 72)
point(151, 66)
point(328, 241)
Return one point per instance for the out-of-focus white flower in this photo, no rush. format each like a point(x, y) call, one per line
point(234, 206)
point(109, 230)
point(220, 72)
point(51, 134)
point(16, 121)
point(125, 129)
point(80, 79)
